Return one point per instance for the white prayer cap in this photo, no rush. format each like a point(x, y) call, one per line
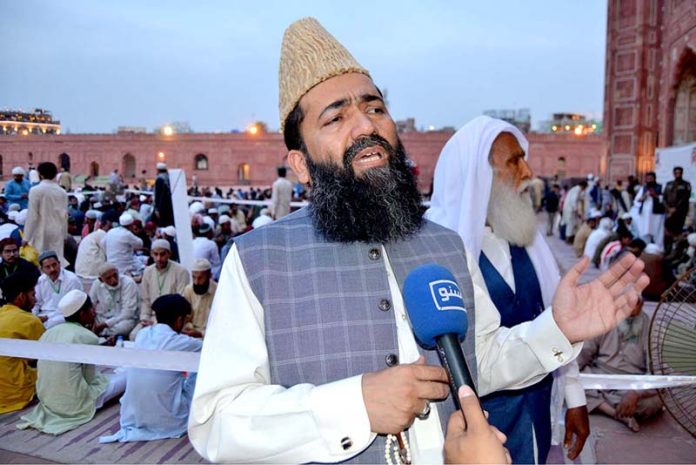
point(264, 211)
point(196, 207)
point(170, 231)
point(594, 214)
point(626, 216)
point(126, 219)
point(143, 197)
point(92, 214)
point(224, 219)
point(212, 210)
point(121, 198)
point(606, 224)
point(72, 302)
point(201, 264)
point(21, 217)
point(590, 177)
point(98, 205)
point(224, 209)
point(209, 221)
point(17, 170)
point(653, 249)
point(14, 207)
point(161, 166)
point(161, 244)
point(105, 268)
point(12, 215)
point(691, 238)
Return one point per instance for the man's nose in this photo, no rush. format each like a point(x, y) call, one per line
point(362, 125)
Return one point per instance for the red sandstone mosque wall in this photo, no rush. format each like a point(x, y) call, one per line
point(651, 46)
point(237, 159)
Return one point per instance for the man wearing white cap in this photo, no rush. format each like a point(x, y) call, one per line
point(90, 253)
point(200, 294)
point(600, 233)
point(163, 211)
point(163, 277)
point(264, 218)
point(70, 393)
point(308, 342)
point(145, 207)
point(54, 283)
point(590, 224)
point(223, 232)
point(205, 247)
point(17, 190)
point(47, 223)
point(116, 302)
point(120, 245)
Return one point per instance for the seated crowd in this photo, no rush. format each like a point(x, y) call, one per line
point(114, 277)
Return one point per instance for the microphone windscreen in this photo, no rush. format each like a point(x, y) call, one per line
point(434, 304)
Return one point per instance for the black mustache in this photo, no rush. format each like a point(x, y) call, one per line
point(363, 143)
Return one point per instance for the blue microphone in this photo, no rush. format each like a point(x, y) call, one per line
point(439, 320)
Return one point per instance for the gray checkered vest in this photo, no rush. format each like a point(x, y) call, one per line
point(327, 305)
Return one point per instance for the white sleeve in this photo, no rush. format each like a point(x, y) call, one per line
point(513, 358)
point(574, 392)
point(237, 416)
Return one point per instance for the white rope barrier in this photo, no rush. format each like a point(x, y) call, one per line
point(188, 362)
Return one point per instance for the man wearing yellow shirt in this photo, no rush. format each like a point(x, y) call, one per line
point(17, 376)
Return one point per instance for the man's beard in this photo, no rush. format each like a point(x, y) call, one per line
point(380, 205)
point(511, 213)
point(201, 289)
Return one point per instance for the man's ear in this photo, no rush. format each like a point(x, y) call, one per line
point(298, 164)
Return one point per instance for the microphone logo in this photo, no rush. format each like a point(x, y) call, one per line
point(446, 295)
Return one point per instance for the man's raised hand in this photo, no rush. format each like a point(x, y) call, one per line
point(588, 310)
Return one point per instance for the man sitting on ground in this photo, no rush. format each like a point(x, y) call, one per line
point(17, 375)
point(52, 286)
point(621, 351)
point(116, 300)
point(162, 277)
point(156, 402)
point(200, 294)
point(70, 393)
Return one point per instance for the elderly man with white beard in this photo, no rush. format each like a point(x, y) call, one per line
point(495, 217)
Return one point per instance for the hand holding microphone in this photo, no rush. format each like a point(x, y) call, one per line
point(439, 320)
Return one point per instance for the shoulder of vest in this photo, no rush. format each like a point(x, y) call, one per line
point(300, 218)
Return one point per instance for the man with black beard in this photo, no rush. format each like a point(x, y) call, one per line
point(199, 293)
point(309, 355)
point(495, 217)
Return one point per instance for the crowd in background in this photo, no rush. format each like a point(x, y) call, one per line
point(602, 220)
point(101, 265)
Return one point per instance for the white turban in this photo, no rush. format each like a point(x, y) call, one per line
point(463, 179)
point(17, 170)
point(21, 217)
point(462, 191)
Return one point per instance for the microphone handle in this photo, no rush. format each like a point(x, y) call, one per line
point(452, 358)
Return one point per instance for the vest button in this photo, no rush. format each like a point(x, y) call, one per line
point(374, 254)
point(392, 360)
point(384, 305)
point(346, 443)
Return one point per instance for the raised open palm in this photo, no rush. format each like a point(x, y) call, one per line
point(588, 310)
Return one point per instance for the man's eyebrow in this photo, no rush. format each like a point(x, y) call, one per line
point(334, 106)
point(364, 98)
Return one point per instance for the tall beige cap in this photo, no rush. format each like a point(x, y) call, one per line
point(309, 55)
